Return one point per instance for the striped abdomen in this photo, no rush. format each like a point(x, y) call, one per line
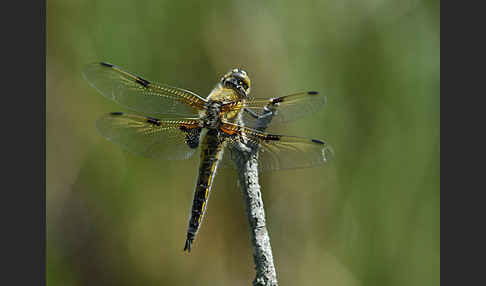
point(211, 152)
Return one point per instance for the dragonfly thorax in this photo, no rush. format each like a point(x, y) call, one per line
point(212, 118)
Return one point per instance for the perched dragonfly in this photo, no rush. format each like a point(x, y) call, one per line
point(206, 122)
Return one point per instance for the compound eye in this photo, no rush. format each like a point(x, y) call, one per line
point(229, 82)
point(243, 84)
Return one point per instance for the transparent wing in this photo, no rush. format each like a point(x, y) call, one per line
point(139, 94)
point(151, 137)
point(277, 110)
point(276, 152)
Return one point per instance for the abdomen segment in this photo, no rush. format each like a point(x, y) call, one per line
point(211, 152)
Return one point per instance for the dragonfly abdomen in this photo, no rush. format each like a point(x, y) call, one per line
point(211, 153)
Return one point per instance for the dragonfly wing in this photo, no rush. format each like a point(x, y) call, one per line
point(280, 109)
point(134, 92)
point(151, 137)
point(276, 152)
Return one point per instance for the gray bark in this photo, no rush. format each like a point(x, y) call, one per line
point(245, 157)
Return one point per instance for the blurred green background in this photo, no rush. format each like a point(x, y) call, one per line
point(372, 217)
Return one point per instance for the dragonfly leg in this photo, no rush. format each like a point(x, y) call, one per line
point(253, 114)
point(268, 112)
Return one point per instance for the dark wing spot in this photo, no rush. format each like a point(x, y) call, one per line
point(192, 136)
point(142, 81)
point(153, 121)
point(277, 99)
point(271, 137)
point(318, 141)
point(116, 113)
point(106, 64)
point(312, 92)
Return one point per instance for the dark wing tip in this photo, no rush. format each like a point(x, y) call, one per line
point(188, 245)
point(105, 64)
point(116, 113)
point(89, 71)
point(153, 121)
point(327, 153)
point(142, 81)
point(312, 92)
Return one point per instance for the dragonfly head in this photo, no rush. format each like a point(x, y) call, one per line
point(237, 80)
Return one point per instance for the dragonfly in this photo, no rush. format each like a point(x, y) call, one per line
point(175, 122)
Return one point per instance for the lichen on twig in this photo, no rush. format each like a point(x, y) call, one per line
point(245, 156)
